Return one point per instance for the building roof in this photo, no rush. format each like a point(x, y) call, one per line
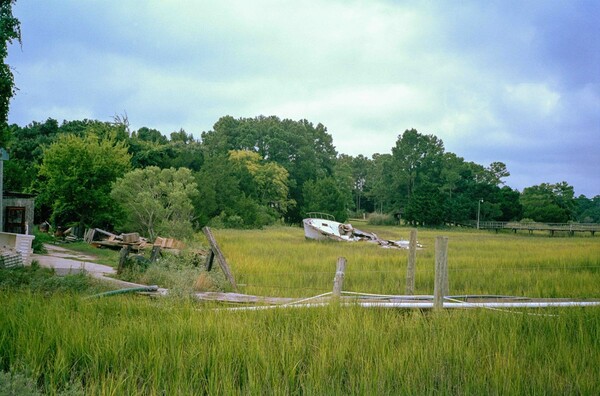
point(12, 194)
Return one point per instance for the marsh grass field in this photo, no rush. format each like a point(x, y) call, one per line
point(175, 346)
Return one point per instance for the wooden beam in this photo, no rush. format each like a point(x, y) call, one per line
point(214, 247)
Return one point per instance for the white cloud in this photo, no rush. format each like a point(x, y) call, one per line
point(474, 74)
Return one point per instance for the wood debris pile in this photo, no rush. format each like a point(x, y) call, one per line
point(100, 238)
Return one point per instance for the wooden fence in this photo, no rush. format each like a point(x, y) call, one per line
point(570, 228)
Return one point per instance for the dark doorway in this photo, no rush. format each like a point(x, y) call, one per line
point(15, 220)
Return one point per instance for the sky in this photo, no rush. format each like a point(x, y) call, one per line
point(516, 82)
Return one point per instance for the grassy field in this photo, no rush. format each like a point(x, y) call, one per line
point(280, 262)
point(135, 345)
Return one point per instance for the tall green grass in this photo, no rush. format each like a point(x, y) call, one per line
point(281, 262)
point(135, 345)
point(128, 345)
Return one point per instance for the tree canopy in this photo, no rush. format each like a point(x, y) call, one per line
point(10, 30)
point(76, 178)
point(251, 172)
point(157, 201)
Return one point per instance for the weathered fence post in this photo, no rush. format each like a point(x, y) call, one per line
point(216, 253)
point(441, 271)
point(412, 260)
point(123, 254)
point(338, 280)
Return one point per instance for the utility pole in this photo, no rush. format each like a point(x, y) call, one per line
point(478, 211)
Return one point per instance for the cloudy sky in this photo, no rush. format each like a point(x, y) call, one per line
point(510, 81)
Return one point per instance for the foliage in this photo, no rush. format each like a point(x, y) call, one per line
point(242, 190)
point(40, 239)
point(549, 203)
point(304, 150)
point(157, 201)
point(78, 173)
point(178, 273)
point(588, 210)
point(327, 195)
point(10, 30)
point(252, 172)
point(381, 219)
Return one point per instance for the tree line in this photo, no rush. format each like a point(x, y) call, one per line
point(252, 172)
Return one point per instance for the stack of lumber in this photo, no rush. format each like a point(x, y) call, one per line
point(101, 238)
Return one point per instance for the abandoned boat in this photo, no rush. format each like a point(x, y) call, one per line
point(322, 226)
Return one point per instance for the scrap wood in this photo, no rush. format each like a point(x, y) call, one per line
point(169, 243)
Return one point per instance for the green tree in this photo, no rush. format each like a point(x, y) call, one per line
point(269, 180)
point(242, 190)
point(549, 203)
point(417, 159)
point(76, 177)
point(588, 210)
point(10, 30)
point(326, 195)
point(380, 179)
point(157, 201)
point(306, 151)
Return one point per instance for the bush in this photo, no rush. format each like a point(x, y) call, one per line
point(38, 243)
point(182, 274)
point(381, 219)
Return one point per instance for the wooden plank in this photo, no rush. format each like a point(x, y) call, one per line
point(214, 247)
point(241, 298)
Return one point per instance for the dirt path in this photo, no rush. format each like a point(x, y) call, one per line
point(65, 261)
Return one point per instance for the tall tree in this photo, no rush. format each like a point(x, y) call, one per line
point(10, 30)
point(327, 195)
point(550, 203)
point(77, 174)
point(242, 190)
point(306, 151)
point(417, 159)
point(157, 201)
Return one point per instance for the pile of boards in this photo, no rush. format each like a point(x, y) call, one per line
point(101, 238)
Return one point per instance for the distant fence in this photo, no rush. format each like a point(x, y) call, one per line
point(570, 228)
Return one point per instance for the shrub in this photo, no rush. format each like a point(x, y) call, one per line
point(381, 219)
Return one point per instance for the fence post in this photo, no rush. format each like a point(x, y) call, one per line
point(216, 252)
point(441, 271)
point(412, 260)
point(338, 280)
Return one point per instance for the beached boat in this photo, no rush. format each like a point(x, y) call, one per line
point(322, 226)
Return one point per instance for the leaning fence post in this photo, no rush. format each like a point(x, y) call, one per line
point(338, 280)
point(412, 260)
point(216, 251)
point(441, 271)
